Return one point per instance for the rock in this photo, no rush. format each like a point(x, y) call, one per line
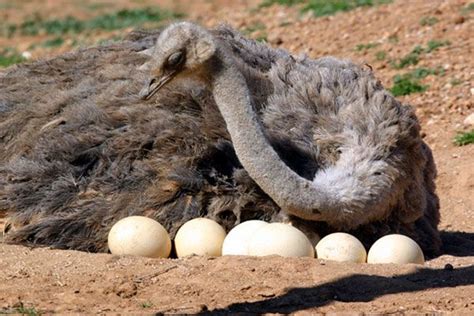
point(459, 19)
point(469, 120)
point(26, 55)
point(275, 39)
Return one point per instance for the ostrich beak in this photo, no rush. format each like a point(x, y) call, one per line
point(155, 84)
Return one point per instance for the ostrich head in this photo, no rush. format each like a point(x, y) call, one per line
point(181, 50)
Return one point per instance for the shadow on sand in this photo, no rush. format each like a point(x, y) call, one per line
point(364, 288)
point(459, 244)
point(354, 288)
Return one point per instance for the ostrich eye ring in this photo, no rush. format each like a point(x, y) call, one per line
point(175, 59)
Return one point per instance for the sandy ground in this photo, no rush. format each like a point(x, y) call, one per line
point(43, 280)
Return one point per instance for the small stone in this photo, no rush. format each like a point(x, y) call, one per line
point(469, 120)
point(448, 267)
point(459, 19)
point(26, 55)
point(275, 40)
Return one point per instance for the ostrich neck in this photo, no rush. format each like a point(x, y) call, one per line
point(291, 192)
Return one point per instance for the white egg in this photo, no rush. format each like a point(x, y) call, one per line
point(199, 236)
point(395, 249)
point(341, 247)
point(237, 240)
point(139, 236)
point(280, 239)
point(313, 237)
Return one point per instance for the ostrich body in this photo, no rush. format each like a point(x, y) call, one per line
point(317, 142)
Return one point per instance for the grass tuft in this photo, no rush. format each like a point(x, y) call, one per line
point(361, 47)
point(381, 55)
point(330, 7)
point(146, 304)
point(406, 84)
point(10, 57)
point(410, 82)
point(435, 44)
point(428, 21)
point(54, 42)
point(466, 138)
point(455, 82)
point(23, 310)
point(288, 3)
point(253, 28)
point(422, 72)
point(467, 9)
point(325, 7)
point(127, 18)
point(70, 25)
point(413, 57)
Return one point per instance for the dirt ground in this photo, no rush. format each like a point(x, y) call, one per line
point(42, 280)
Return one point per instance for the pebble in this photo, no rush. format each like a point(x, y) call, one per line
point(448, 267)
point(459, 19)
point(275, 39)
point(469, 120)
point(26, 55)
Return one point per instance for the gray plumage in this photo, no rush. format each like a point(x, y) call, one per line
point(81, 150)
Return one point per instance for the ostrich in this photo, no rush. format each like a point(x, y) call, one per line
point(228, 129)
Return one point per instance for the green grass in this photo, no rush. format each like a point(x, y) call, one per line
point(467, 9)
point(97, 6)
point(289, 3)
point(325, 7)
point(146, 304)
point(71, 25)
point(7, 30)
point(393, 39)
point(413, 57)
point(381, 55)
point(253, 28)
point(409, 83)
point(466, 138)
point(127, 18)
point(455, 82)
point(435, 44)
point(361, 47)
point(262, 37)
point(23, 310)
point(7, 5)
point(285, 23)
point(422, 72)
point(428, 21)
point(54, 42)
point(406, 84)
point(10, 57)
point(104, 41)
point(259, 30)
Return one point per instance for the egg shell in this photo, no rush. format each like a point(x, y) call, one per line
point(341, 247)
point(199, 236)
point(237, 240)
point(139, 236)
point(395, 248)
point(280, 239)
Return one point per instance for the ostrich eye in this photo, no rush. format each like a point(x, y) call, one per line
point(175, 59)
